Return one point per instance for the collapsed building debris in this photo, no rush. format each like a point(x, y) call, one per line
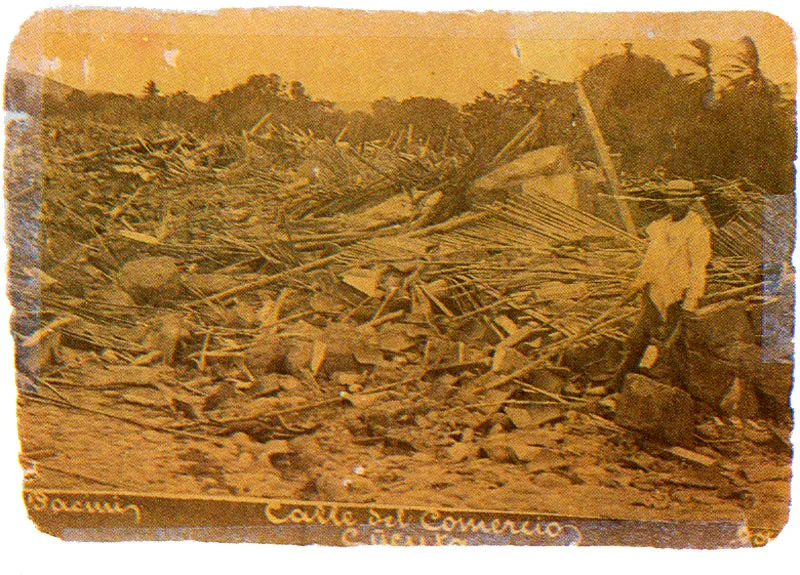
point(279, 298)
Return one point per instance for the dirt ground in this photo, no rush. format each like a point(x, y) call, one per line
point(580, 466)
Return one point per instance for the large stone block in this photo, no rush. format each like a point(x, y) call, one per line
point(151, 280)
point(660, 411)
point(266, 355)
point(720, 325)
point(708, 377)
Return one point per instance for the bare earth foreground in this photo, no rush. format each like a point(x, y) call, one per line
point(578, 466)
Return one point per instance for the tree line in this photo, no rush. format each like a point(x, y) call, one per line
point(731, 122)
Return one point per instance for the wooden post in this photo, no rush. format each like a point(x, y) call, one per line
point(527, 131)
point(605, 158)
point(531, 126)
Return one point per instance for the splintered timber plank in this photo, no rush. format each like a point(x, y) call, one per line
point(586, 220)
point(526, 131)
point(263, 282)
point(605, 157)
point(692, 456)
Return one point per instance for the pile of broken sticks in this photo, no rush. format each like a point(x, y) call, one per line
point(201, 298)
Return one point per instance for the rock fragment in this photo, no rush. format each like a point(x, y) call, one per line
point(151, 280)
point(660, 411)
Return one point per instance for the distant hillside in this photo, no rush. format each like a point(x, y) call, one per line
point(24, 91)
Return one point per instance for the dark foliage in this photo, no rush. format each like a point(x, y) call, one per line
point(704, 123)
point(730, 123)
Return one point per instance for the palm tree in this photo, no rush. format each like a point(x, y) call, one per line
point(747, 70)
point(703, 58)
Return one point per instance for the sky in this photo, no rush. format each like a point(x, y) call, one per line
point(357, 56)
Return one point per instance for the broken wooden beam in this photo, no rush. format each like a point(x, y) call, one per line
point(605, 158)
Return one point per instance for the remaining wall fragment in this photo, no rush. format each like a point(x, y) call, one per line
point(561, 187)
point(544, 171)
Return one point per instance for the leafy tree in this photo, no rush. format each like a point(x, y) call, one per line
point(492, 120)
point(703, 57)
point(703, 60)
point(704, 123)
point(756, 133)
point(244, 105)
point(150, 89)
point(425, 120)
point(626, 92)
point(298, 92)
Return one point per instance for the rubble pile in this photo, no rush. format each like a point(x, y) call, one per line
point(281, 301)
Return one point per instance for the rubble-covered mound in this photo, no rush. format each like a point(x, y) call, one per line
point(271, 315)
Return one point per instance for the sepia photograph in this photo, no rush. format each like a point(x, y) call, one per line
point(340, 277)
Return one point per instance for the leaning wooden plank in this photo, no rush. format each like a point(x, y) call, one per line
point(265, 281)
point(605, 157)
point(692, 456)
point(608, 317)
point(531, 126)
